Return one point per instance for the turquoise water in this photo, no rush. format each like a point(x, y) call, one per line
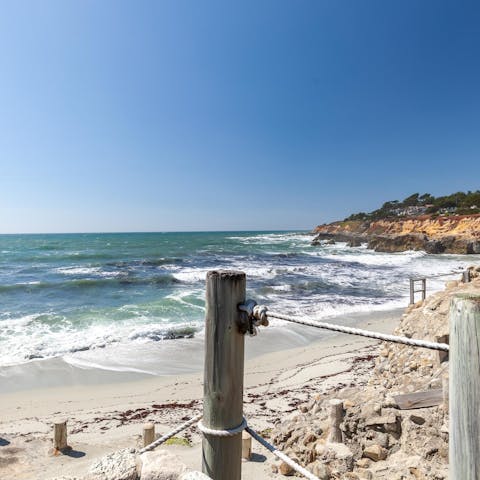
point(83, 295)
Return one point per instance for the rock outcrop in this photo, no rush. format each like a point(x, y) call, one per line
point(452, 234)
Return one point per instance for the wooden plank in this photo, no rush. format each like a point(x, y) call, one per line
point(464, 398)
point(429, 398)
point(223, 378)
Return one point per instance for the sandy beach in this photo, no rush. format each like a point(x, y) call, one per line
point(106, 411)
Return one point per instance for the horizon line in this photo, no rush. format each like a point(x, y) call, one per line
point(119, 232)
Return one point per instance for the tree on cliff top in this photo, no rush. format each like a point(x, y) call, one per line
point(459, 202)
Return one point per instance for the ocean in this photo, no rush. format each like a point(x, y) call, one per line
point(114, 301)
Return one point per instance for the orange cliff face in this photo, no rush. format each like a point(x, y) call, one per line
point(440, 234)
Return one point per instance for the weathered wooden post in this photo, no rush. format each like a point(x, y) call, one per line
point(60, 444)
point(424, 288)
point(464, 395)
point(246, 446)
point(466, 276)
point(148, 434)
point(223, 377)
point(412, 291)
point(336, 417)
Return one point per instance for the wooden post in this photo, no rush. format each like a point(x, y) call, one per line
point(60, 437)
point(412, 291)
point(466, 276)
point(336, 416)
point(464, 395)
point(148, 434)
point(246, 446)
point(424, 288)
point(223, 377)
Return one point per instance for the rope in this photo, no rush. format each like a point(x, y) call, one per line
point(364, 333)
point(453, 272)
point(281, 455)
point(171, 434)
point(244, 426)
point(230, 432)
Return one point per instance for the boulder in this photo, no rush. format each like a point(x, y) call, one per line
point(355, 242)
point(319, 469)
point(193, 476)
point(473, 247)
point(161, 465)
point(286, 469)
point(434, 246)
point(119, 465)
point(375, 452)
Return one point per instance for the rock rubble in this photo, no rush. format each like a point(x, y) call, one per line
point(378, 440)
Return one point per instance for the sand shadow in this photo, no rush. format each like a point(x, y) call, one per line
point(258, 458)
point(3, 442)
point(74, 453)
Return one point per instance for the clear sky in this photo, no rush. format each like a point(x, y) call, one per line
point(210, 115)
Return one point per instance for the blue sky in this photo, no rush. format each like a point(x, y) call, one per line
point(188, 115)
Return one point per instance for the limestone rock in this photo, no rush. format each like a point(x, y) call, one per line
point(120, 465)
point(286, 469)
point(161, 465)
point(375, 452)
point(193, 476)
point(364, 474)
point(363, 462)
point(319, 469)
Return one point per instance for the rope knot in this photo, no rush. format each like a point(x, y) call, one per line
point(260, 315)
point(257, 315)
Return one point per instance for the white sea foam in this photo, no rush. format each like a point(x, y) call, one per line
point(91, 271)
point(78, 270)
point(368, 257)
point(271, 238)
point(283, 271)
point(27, 342)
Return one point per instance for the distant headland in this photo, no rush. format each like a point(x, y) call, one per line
point(448, 224)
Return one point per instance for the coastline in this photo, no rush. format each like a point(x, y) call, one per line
point(188, 355)
point(104, 417)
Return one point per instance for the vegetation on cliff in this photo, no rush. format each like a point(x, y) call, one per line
point(459, 203)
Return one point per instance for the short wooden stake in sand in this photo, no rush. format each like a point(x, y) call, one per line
point(148, 434)
point(246, 446)
point(60, 444)
point(336, 417)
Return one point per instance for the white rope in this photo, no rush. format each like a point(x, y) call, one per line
point(364, 333)
point(171, 434)
point(230, 432)
point(281, 455)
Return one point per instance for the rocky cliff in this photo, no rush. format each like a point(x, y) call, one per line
point(441, 234)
